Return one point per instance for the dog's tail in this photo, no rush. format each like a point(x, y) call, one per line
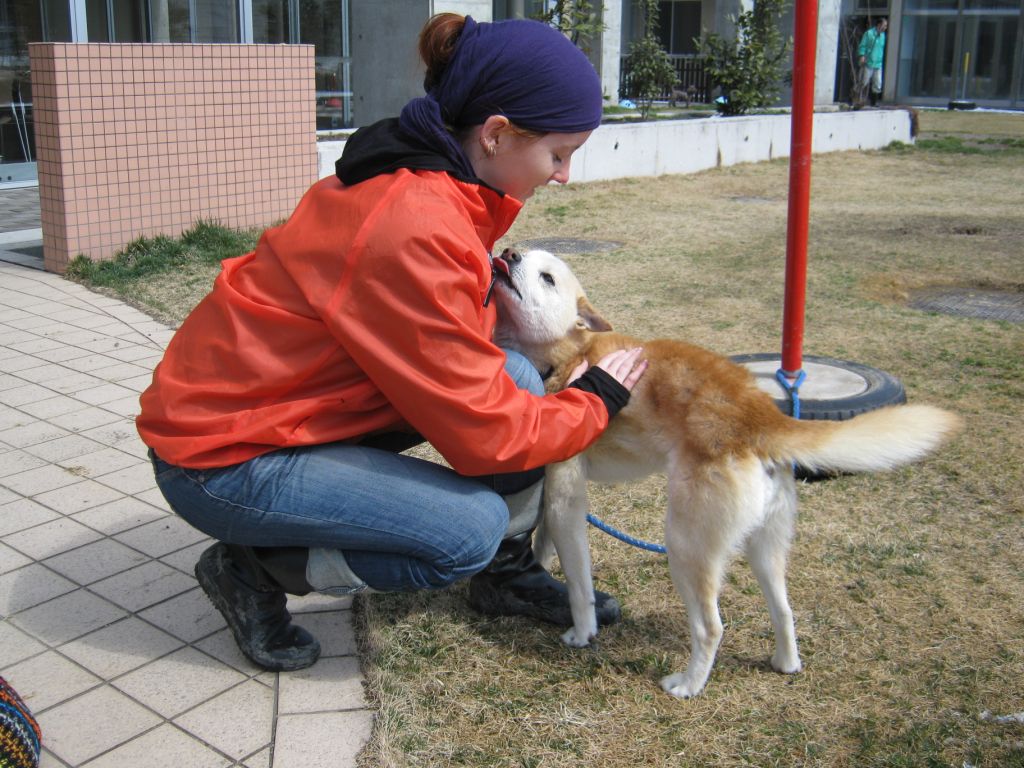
point(871, 442)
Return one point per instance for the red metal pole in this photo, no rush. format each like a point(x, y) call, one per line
point(805, 37)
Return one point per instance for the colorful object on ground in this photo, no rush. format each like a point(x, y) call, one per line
point(19, 731)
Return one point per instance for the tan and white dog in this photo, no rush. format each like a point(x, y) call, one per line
point(726, 448)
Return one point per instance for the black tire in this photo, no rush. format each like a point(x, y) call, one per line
point(880, 389)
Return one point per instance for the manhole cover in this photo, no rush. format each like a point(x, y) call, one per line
point(752, 199)
point(986, 304)
point(567, 245)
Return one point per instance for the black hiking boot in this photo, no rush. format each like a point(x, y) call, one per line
point(255, 612)
point(515, 584)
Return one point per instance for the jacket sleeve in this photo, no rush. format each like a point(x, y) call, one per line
point(409, 311)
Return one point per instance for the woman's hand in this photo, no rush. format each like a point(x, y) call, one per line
point(622, 365)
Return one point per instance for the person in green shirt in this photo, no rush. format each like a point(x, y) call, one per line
point(872, 55)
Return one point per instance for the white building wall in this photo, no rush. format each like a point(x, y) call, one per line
point(481, 10)
point(617, 151)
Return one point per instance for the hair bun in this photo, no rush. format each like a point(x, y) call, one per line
point(437, 44)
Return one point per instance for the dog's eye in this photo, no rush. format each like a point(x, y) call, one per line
point(547, 278)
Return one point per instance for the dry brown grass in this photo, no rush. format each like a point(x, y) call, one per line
point(907, 587)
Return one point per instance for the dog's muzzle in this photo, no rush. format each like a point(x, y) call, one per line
point(501, 269)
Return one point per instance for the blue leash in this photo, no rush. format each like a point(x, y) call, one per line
point(794, 398)
point(638, 543)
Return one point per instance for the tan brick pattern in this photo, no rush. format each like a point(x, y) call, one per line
point(139, 140)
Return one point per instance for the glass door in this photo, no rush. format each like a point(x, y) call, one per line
point(988, 38)
point(965, 50)
point(23, 22)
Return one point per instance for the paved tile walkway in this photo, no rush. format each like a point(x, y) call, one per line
point(103, 630)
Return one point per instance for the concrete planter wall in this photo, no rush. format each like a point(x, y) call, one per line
point(617, 151)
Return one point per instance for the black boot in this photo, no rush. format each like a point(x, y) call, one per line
point(253, 602)
point(515, 584)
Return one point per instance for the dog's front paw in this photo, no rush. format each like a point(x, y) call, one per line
point(680, 686)
point(576, 639)
point(786, 663)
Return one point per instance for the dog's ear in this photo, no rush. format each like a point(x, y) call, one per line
point(589, 318)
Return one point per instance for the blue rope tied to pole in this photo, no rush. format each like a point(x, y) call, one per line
point(793, 389)
point(638, 543)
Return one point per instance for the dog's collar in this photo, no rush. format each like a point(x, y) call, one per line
point(490, 288)
point(494, 276)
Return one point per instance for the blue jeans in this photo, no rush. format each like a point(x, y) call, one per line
point(402, 523)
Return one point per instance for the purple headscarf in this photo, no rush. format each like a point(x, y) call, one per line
point(522, 69)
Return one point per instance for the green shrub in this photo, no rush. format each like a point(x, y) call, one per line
point(651, 70)
point(748, 68)
point(578, 20)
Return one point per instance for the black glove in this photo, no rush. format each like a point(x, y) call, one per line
point(599, 382)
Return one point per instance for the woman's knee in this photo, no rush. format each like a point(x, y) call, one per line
point(522, 372)
point(477, 543)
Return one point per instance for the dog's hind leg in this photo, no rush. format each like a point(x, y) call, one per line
point(767, 550)
point(565, 522)
point(704, 526)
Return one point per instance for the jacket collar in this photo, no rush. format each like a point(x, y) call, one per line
point(384, 148)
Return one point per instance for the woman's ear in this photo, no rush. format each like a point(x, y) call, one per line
point(490, 133)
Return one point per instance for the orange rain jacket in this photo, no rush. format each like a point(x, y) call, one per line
point(363, 313)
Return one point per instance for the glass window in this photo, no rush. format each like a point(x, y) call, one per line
point(323, 23)
point(930, 5)
point(97, 21)
point(33, 21)
point(678, 25)
point(992, 5)
point(988, 44)
point(517, 9)
point(216, 21)
point(129, 21)
point(170, 21)
point(194, 21)
point(320, 24)
point(270, 22)
point(927, 48)
point(685, 27)
point(23, 22)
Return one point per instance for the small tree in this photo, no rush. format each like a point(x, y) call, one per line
point(650, 69)
point(749, 67)
point(579, 20)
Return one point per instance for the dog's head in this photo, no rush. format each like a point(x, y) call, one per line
point(540, 304)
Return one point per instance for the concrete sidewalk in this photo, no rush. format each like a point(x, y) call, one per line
point(104, 632)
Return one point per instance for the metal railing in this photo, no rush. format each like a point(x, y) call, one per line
point(689, 71)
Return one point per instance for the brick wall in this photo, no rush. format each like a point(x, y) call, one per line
point(144, 139)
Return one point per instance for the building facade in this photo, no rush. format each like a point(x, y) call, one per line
point(366, 68)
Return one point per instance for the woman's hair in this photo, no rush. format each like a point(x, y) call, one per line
point(437, 44)
point(438, 39)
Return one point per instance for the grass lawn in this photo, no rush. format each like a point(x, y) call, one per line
point(908, 587)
